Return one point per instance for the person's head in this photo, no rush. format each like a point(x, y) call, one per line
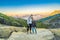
point(31, 16)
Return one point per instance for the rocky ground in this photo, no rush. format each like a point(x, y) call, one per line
point(42, 34)
point(56, 37)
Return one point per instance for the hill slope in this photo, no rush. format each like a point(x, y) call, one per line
point(7, 20)
point(51, 21)
point(55, 12)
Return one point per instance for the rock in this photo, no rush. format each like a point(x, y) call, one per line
point(42, 34)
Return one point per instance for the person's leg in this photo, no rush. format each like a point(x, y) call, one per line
point(35, 30)
point(27, 29)
point(30, 27)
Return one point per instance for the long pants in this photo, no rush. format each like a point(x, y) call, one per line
point(34, 30)
point(29, 28)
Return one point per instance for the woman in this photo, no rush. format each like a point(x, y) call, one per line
point(34, 27)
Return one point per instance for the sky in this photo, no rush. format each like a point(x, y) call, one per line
point(22, 7)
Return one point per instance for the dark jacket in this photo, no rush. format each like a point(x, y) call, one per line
point(34, 24)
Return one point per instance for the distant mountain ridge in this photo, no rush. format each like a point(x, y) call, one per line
point(52, 15)
point(55, 12)
point(35, 17)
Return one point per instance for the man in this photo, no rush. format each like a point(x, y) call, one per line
point(29, 23)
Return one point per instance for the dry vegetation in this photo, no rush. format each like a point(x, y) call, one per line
point(56, 31)
point(5, 32)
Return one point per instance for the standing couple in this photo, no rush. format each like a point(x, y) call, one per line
point(31, 25)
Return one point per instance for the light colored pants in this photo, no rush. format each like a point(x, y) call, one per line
point(34, 30)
